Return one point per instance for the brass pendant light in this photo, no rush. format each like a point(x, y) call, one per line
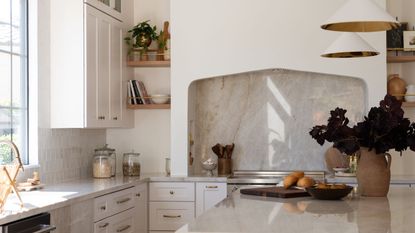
point(350, 45)
point(360, 16)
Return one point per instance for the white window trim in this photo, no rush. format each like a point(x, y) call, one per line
point(33, 85)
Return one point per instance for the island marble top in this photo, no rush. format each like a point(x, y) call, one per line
point(354, 214)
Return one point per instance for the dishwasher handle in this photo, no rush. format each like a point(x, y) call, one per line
point(45, 228)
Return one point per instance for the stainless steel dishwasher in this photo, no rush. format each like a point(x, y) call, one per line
point(36, 224)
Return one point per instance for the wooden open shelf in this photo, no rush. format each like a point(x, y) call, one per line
point(400, 59)
point(148, 106)
point(148, 63)
point(408, 104)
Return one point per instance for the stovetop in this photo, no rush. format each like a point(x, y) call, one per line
point(267, 177)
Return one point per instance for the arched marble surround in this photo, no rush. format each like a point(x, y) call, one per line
point(268, 115)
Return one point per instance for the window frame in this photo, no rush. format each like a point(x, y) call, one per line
point(22, 55)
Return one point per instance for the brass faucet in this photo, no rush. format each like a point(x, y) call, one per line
point(15, 151)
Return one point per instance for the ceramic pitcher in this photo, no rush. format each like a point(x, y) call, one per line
point(373, 173)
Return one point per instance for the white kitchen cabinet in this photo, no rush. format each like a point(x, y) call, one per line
point(119, 223)
point(208, 195)
point(141, 208)
point(167, 216)
point(88, 68)
point(75, 218)
point(172, 191)
point(110, 7)
point(171, 205)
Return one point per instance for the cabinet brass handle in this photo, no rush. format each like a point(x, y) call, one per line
point(123, 200)
point(121, 229)
point(103, 208)
point(171, 192)
point(104, 225)
point(115, 118)
point(171, 216)
point(212, 187)
point(138, 195)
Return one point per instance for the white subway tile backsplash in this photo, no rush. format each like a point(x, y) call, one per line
point(66, 154)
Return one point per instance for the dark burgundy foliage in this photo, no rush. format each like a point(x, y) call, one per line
point(383, 129)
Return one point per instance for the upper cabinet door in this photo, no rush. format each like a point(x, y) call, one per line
point(116, 73)
point(110, 7)
point(104, 69)
point(92, 22)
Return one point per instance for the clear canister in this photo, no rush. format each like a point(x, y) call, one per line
point(108, 152)
point(101, 166)
point(131, 164)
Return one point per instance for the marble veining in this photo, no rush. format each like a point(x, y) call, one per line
point(242, 213)
point(268, 115)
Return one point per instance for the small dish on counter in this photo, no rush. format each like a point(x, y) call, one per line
point(329, 191)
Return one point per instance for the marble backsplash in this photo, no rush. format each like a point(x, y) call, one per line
point(268, 115)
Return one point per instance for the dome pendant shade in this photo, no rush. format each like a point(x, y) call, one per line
point(360, 16)
point(350, 45)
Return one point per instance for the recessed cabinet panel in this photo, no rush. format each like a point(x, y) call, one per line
point(116, 73)
point(104, 48)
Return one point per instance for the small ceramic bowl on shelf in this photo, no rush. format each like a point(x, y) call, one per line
point(160, 98)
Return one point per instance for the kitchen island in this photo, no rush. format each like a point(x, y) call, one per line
point(354, 214)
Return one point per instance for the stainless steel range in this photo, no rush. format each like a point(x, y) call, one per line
point(249, 179)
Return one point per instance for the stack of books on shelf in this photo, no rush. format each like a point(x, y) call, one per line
point(137, 93)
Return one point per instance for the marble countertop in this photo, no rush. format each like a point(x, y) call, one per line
point(395, 179)
point(64, 194)
point(242, 213)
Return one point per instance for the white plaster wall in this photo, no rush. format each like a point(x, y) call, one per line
point(216, 37)
point(151, 134)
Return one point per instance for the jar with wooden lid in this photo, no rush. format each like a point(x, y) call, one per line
point(101, 166)
point(131, 164)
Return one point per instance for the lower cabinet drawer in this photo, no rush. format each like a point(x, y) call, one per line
point(119, 223)
point(113, 203)
point(170, 216)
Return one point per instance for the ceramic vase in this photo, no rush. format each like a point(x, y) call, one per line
point(373, 173)
point(396, 86)
point(410, 89)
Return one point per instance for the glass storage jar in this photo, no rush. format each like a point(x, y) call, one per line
point(101, 166)
point(111, 153)
point(131, 164)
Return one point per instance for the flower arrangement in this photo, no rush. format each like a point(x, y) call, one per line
point(384, 128)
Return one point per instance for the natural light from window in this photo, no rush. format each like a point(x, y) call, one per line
point(13, 77)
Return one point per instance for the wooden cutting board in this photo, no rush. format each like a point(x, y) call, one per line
point(279, 192)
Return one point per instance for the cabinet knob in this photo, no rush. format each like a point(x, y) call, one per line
point(115, 118)
point(138, 195)
point(171, 192)
point(103, 208)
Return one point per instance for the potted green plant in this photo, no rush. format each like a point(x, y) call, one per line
point(383, 129)
point(141, 37)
